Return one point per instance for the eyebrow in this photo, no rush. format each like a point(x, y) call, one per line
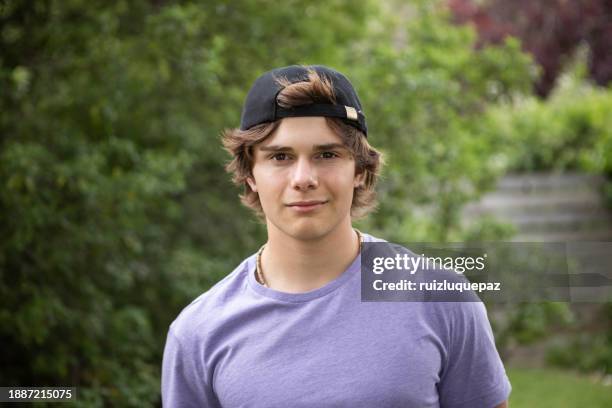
point(277, 148)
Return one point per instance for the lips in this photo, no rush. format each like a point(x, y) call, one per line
point(306, 206)
point(306, 203)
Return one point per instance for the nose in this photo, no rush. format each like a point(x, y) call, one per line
point(304, 176)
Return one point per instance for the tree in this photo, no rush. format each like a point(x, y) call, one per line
point(112, 193)
point(550, 30)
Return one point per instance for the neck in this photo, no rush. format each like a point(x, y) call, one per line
point(297, 265)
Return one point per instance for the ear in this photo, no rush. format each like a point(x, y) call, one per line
point(359, 180)
point(251, 181)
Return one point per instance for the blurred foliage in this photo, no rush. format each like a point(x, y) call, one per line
point(587, 350)
point(550, 30)
point(572, 130)
point(528, 323)
point(426, 89)
point(116, 210)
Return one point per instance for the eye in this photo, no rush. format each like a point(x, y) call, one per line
point(279, 156)
point(328, 155)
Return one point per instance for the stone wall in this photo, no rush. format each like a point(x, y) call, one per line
point(549, 207)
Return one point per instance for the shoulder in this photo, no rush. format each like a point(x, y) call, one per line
point(458, 314)
point(371, 238)
point(460, 318)
point(206, 311)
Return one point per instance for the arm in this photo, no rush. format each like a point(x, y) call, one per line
point(473, 374)
point(184, 382)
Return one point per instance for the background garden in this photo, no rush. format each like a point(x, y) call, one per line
point(116, 212)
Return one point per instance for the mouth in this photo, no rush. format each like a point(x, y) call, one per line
point(306, 206)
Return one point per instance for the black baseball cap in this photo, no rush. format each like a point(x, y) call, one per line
point(260, 105)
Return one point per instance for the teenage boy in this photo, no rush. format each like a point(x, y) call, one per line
point(287, 327)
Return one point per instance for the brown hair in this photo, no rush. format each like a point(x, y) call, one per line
point(240, 144)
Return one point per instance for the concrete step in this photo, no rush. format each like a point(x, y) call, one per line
point(573, 236)
point(516, 206)
point(549, 182)
point(562, 222)
point(548, 207)
point(509, 204)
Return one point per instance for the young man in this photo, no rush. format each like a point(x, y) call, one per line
point(287, 327)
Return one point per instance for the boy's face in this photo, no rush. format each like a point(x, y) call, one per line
point(305, 178)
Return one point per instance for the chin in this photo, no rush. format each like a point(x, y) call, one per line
point(306, 229)
point(308, 232)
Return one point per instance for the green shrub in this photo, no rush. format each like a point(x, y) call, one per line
point(570, 131)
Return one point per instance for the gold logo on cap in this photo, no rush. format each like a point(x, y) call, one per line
point(351, 113)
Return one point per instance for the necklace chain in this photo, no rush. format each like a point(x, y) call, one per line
point(259, 270)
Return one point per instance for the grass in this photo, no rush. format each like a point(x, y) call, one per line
point(544, 388)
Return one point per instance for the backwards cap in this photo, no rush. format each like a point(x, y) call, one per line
point(260, 105)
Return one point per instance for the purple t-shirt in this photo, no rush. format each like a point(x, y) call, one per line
point(241, 344)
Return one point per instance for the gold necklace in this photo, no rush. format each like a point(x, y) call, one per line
point(259, 270)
